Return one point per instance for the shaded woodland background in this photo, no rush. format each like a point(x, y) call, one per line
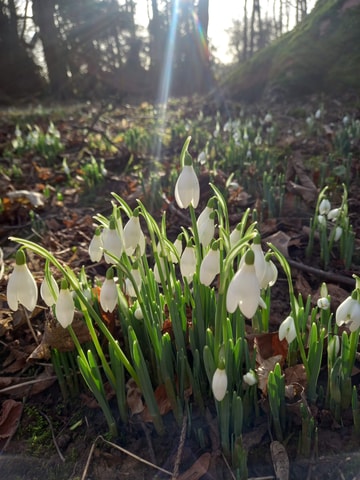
point(94, 48)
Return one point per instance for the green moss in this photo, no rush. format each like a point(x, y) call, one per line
point(320, 55)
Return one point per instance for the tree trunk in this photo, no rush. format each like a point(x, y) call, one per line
point(54, 52)
point(320, 55)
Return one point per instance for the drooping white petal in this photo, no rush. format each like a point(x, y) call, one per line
point(188, 263)
point(132, 234)
point(333, 214)
point(65, 308)
point(108, 295)
point(21, 288)
point(187, 188)
point(157, 268)
point(96, 247)
point(250, 378)
point(323, 303)
point(270, 274)
point(287, 330)
point(46, 291)
point(244, 291)
point(210, 267)
point(112, 243)
point(343, 311)
point(219, 384)
point(259, 261)
point(324, 207)
point(178, 248)
point(354, 317)
point(129, 287)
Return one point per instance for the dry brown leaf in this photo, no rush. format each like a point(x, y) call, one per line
point(263, 370)
point(280, 460)
point(296, 374)
point(281, 241)
point(306, 187)
point(198, 469)
point(9, 418)
point(134, 397)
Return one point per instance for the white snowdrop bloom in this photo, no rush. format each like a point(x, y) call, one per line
point(157, 275)
point(108, 292)
point(21, 287)
point(206, 226)
point(324, 207)
point(47, 293)
point(187, 188)
point(188, 263)
point(258, 140)
point(111, 243)
point(138, 314)
point(129, 287)
point(202, 158)
point(323, 303)
point(322, 220)
point(348, 313)
point(259, 259)
point(268, 118)
point(338, 233)
point(346, 120)
point(270, 274)
point(210, 266)
point(333, 214)
point(235, 236)
point(287, 330)
point(219, 384)
point(250, 378)
point(244, 288)
point(318, 114)
point(96, 246)
point(178, 248)
point(64, 306)
point(133, 235)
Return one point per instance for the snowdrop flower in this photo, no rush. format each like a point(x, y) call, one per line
point(187, 188)
point(333, 214)
point(235, 235)
point(324, 207)
point(178, 249)
point(133, 235)
point(287, 330)
point(244, 288)
point(346, 120)
point(268, 118)
point(250, 378)
point(258, 140)
point(188, 263)
point(318, 114)
point(129, 287)
point(206, 224)
point(47, 292)
point(108, 292)
point(259, 258)
point(338, 233)
point(202, 158)
point(21, 287)
point(219, 384)
point(64, 306)
point(138, 313)
point(111, 242)
point(322, 220)
point(323, 303)
point(159, 267)
point(96, 246)
point(270, 274)
point(348, 313)
point(210, 265)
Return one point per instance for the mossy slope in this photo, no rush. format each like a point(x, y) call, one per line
point(321, 55)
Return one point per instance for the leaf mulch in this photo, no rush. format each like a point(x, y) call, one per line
point(39, 432)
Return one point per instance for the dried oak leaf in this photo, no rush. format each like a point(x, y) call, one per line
point(9, 418)
point(198, 469)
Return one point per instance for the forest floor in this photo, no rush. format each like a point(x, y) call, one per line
point(40, 434)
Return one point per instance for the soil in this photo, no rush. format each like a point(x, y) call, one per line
point(68, 440)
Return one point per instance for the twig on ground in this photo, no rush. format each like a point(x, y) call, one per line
point(329, 276)
point(180, 449)
point(53, 436)
point(123, 450)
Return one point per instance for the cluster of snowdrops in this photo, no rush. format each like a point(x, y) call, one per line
point(217, 273)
